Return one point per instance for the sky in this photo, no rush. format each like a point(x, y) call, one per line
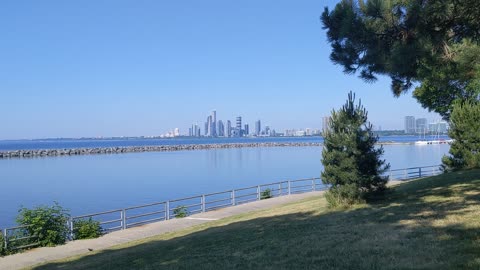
point(141, 68)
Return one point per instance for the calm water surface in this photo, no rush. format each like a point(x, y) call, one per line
point(93, 183)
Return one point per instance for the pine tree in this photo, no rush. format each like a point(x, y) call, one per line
point(465, 131)
point(430, 45)
point(352, 164)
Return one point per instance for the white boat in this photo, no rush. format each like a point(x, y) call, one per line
point(436, 140)
point(422, 140)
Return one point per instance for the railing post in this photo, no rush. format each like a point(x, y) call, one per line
point(258, 192)
point(406, 175)
point(313, 184)
point(419, 172)
point(70, 226)
point(5, 238)
point(167, 210)
point(233, 197)
point(123, 214)
point(280, 189)
point(289, 187)
point(203, 203)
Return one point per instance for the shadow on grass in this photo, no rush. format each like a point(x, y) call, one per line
point(427, 224)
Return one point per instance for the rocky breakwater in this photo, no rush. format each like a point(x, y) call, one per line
point(137, 149)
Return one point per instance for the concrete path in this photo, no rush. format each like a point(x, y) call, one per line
point(42, 255)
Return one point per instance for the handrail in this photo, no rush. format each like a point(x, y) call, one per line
point(217, 193)
point(432, 166)
point(145, 205)
point(98, 214)
point(186, 198)
point(306, 179)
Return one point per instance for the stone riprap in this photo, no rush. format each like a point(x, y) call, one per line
point(33, 153)
point(136, 149)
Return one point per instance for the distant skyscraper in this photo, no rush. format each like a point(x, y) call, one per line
point(196, 130)
point(190, 132)
point(205, 131)
point(421, 125)
point(246, 130)
point(176, 132)
point(229, 128)
point(238, 128)
point(221, 129)
point(438, 127)
point(409, 124)
point(209, 126)
point(325, 124)
point(258, 128)
point(442, 127)
point(213, 124)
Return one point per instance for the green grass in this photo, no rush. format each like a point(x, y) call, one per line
point(432, 223)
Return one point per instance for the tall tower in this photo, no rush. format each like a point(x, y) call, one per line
point(421, 125)
point(196, 130)
point(229, 129)
point(209, 126)
point(238, 128)
point(213, 124)
point(409, 124)
point(325, 124)
point(258, 128)
point(220, 129)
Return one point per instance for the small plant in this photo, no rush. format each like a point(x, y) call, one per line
point(266, 194)
point(180, 211)
point(86, 229)
point(47, 225)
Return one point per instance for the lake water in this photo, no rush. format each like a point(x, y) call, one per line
point(92, 183)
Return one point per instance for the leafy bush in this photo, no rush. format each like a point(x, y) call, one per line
point(266, 194)
point(180, 211)
point(47, 224)
point(86, 229)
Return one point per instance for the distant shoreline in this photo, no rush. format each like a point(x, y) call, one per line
point(37, 153)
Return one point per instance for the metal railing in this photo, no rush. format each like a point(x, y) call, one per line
point(121, 219)
point(414, 172)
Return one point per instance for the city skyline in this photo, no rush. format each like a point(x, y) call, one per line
point(422, 125)
point(214, 128)
point(144, 70)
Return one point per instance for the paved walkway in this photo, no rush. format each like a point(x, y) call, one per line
point(42, 255)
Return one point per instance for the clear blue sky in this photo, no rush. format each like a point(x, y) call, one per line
point(110, 68)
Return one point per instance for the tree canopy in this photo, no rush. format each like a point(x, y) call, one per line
point(432, 45)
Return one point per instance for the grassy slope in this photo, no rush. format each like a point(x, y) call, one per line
point(426, 224)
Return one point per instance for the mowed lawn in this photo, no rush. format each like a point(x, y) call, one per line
point(433, 223)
